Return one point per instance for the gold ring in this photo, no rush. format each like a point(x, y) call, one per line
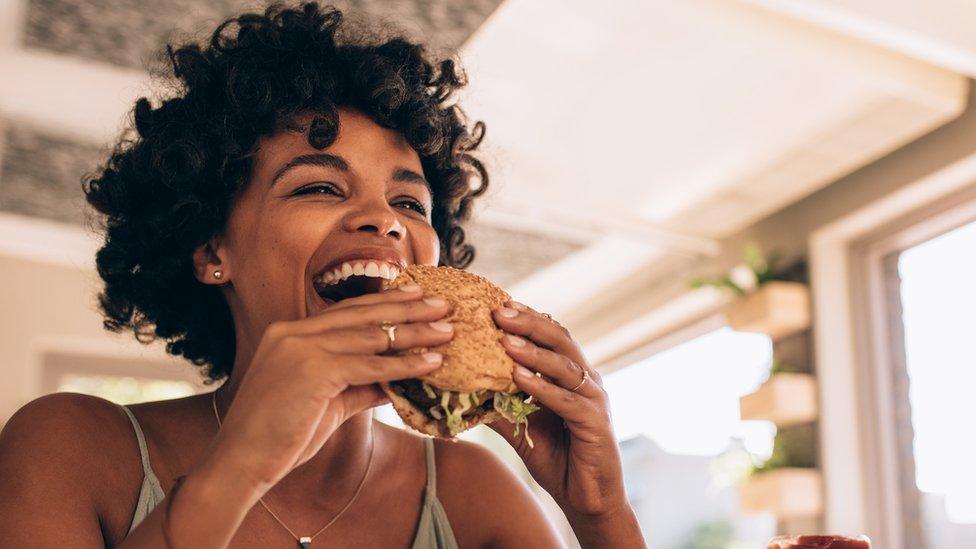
point(586, 376)
point(390, 329)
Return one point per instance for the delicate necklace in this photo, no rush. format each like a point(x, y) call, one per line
point(305, 541)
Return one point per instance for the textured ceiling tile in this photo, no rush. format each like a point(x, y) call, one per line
point(505, 256)
point(126, 33)
point(41, 175)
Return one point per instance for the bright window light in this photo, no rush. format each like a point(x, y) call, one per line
point(123, 389)
point(938, 292)
point(686, 399)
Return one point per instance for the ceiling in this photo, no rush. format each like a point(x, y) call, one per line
point(621, 138)
point(663, 126)
point(100, 49)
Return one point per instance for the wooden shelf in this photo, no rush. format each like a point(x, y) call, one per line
point(777, 309)
point(785, 399)
point(787, 493)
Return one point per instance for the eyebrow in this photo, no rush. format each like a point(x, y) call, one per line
point(320, 159)
point(338, 163)
point(410, 176)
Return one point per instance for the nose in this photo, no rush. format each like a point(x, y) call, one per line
point(377, 219)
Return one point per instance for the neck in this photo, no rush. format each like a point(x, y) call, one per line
point(332, 475)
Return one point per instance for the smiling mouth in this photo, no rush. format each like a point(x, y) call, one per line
point(353, 279)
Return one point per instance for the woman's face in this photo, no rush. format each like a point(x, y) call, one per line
point(308, 212)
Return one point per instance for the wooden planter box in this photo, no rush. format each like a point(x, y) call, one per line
point(785, 399)
point(777, 309)
point(786, 493)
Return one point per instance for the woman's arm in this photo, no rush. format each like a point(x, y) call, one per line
point(45, 482)
point(618, 528)
point(206, 510)
point(575, 456)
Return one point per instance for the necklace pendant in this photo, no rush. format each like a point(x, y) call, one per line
point(305, 542)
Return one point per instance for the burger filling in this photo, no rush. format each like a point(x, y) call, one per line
point(454, 409)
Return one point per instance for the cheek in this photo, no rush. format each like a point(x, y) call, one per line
point(277, 248)
point(426, 246)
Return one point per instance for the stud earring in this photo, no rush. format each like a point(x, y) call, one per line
point(218, 274)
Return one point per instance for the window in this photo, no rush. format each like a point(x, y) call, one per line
point(676, 415)
point(124, 389)
point(938, 302)
point(121, 380)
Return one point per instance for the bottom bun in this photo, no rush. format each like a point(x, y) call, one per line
point(418, 420)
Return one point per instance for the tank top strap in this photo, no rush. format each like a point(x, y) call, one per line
point(150, 492)
point(143, 449)
point(431, 468)
point(434, 529)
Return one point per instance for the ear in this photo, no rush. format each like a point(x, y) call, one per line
point(208, 265)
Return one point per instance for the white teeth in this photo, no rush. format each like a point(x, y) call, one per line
point(370, 268)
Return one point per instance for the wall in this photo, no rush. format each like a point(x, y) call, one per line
point(788, 230)
point(49, 307)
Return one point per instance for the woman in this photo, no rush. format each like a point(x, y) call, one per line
point(294, 143)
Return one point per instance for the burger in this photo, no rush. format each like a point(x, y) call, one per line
point(474, 383)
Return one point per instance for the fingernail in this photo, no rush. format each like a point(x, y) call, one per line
point(442, 326)
point(517, 305)
point(523, 372)
point(435, 301)
point(432, 358)
point(515, 341)
point(507, 313)
point(410, 287)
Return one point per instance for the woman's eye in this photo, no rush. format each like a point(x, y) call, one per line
point(412, 205)
point(318, 188)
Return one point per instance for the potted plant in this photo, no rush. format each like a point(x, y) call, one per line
point(767, 301)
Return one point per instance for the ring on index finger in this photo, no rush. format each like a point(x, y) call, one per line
point(390, 329)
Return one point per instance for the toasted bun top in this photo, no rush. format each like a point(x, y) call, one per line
point(474, 359)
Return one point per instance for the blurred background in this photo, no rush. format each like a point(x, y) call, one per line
point(758, 217)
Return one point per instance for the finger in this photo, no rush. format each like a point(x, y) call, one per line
point(562, 370)
point(367, 369)
point(572, 407)
point(361, 397)
point(427, 309)
point(541, 330)
point(374, 339)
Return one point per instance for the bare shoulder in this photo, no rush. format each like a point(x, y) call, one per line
point(59, 454)
point(64, 423)
point(85, 432)
point(477, 487)
point(460, 459)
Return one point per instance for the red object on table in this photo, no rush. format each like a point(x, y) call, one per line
point(819, 542)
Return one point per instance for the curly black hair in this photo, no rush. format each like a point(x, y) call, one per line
point(169, 185)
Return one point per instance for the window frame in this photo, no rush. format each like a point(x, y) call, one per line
point(868, 478)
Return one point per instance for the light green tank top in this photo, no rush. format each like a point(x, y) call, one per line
point(433, 532)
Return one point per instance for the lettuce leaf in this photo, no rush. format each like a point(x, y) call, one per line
point(513, 407)
point(516, 408)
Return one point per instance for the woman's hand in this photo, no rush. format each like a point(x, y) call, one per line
point(309, 376)
point(575, 455)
